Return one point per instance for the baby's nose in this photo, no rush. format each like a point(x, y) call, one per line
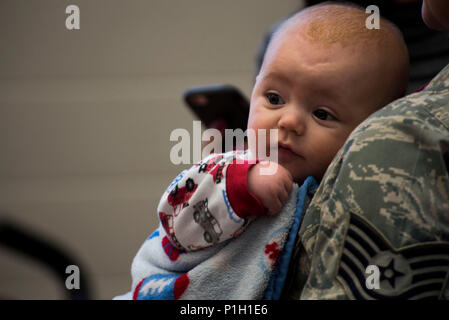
point(292, 121)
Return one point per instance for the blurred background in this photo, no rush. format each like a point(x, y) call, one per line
point(86, 116)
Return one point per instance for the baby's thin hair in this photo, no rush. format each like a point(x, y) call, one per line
point(342, 23)
point(333, 23)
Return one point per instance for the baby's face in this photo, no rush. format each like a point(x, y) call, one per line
point(315, 96)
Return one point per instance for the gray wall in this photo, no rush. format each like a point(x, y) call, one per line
point(85, 119)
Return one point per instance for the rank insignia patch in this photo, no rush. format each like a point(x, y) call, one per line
point(418, 271)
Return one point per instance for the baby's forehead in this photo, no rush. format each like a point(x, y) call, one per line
point(336, 35)
point(325, 25)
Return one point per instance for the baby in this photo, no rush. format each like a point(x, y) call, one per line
point(323, 73)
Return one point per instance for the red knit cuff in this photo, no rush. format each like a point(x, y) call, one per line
point(242, 201)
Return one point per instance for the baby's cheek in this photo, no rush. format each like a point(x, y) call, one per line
point(321, 159)
point(256, 119)
point(258, 128)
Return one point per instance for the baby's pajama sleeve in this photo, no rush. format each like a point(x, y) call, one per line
point(209, 203)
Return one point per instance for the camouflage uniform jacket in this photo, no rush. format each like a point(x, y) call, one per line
point(383, 202)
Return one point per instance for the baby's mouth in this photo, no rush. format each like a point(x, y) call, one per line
point(286, 147)
point(286, 152)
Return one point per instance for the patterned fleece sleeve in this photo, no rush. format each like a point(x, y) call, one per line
point(209, 203)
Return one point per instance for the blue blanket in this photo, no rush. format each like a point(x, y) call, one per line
point(251, 266)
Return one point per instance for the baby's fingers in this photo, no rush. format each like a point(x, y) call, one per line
point(283, 195)
point(288, 183)
point(275, 206)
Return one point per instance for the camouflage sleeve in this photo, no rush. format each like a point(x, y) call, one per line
point(383, 203)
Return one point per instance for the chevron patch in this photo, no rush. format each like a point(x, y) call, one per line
point(418, 271)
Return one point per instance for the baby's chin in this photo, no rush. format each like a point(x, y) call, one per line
point(293, 168)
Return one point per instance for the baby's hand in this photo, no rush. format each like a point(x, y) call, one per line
point(271, 190)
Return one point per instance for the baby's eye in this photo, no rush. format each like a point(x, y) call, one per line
point(323, 115)
point(274, 98)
